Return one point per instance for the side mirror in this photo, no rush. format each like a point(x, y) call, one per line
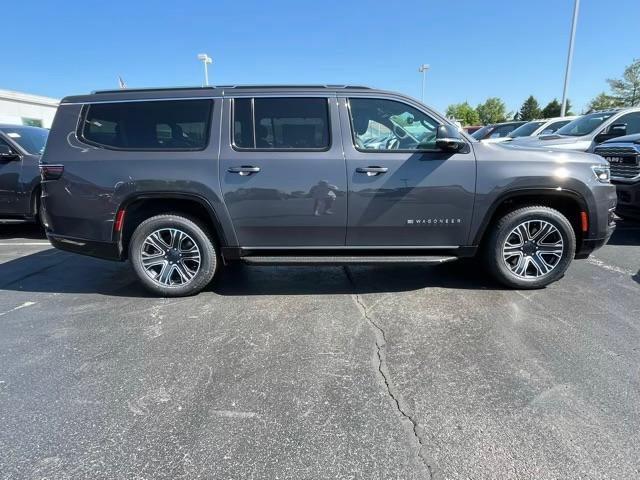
point(448, 139)
point(7, 154)
point(615, 130)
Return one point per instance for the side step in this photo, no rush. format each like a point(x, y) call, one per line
point(14, 221)
point(345, 260)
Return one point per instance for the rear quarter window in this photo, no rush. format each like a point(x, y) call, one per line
point(171, 125)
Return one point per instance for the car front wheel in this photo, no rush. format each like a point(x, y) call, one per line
point(530, 247)
point(172, 256)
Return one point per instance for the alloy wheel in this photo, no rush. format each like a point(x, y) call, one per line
point(533, 249)
point(170, 257)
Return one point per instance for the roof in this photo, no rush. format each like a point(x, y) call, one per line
point(205, 92)
point(28, 98)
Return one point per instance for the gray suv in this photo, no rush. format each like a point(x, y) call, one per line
point(181, 181)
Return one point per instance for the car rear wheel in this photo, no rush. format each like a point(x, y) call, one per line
point(530, 247)
point(173, 256)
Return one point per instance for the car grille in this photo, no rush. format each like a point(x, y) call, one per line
point(621, 170)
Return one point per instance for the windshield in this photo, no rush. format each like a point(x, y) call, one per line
point(526, 129)
point(584, 125)
point(480, 134)
point(30, 139)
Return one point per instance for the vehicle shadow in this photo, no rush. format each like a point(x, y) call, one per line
point(53, 271)
point(30, 231)
point(241, 280)
point(627, 232)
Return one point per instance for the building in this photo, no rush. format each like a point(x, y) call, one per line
point(25, 109)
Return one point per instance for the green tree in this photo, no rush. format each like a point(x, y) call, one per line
point(530, 109)
point(603, 102)
point(554, 108)
point(493, 110)
point(627, 88)
point(464, 113)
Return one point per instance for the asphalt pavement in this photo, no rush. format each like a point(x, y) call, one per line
point(386, 372)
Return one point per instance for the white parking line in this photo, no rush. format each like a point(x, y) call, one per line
point(612, 268)
point(24, 305)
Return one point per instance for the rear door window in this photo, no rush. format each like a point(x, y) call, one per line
point(281, 123)
point(175, 125)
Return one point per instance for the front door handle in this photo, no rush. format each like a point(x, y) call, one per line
point(372, 171)
point(244, 170)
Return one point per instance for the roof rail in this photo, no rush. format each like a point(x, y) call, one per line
point(331, 86)
point(151, 89)
point(161, 89)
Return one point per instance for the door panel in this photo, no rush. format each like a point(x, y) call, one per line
point(423, 199)
point(276, 194)
point(9, 184)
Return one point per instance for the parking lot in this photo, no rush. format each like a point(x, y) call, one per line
point(394, 372)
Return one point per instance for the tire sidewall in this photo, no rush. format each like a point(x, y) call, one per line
point(208, 254)
point(548, 215)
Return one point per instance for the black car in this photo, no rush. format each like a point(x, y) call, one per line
point(623, 154)
point(20, 150)
point(496, 130)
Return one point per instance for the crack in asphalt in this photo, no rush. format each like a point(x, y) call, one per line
point(383, 370)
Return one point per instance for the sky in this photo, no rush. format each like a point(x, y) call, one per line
point(476, 49)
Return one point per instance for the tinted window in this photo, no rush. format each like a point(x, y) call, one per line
point(281, 123)
point(389, 125)
point(526, 129)
point(585, 124)
point(480, 134)
point(502, 130)
point(632, 120)
point(555, 126)
point(153, 125)
point(32, 140)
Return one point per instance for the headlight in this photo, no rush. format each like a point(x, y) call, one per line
point(602, 173)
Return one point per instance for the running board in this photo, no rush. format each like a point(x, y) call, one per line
point(14, 221)
point(346, 260)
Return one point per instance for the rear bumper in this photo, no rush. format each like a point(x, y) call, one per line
point(104, 250)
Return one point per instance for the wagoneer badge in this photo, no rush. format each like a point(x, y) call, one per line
point(434, 222)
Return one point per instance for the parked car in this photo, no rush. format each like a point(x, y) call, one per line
point(179, 181)
point(623, 154)
point(538, 127)
point(584, 133)
point(496, 130)
point(20, 151)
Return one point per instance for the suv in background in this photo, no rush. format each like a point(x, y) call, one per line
point(623, 155)
point(496, 130)
point(20, 150)
point(589, 130)
point(179, 181)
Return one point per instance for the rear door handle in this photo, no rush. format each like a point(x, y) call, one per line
point(244, 170)
point(372, 171)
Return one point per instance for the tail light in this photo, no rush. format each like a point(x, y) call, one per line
point(51, 172)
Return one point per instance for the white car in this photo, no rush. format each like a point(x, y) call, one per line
point(534, 128)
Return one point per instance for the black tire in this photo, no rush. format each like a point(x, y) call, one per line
point(533, 257)
point(179, 267)
point(39, 213)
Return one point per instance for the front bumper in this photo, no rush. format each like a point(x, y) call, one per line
point(628, 198)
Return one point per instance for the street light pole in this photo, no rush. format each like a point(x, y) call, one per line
point(206, 60)
point(567, 74)
point(423, 69)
